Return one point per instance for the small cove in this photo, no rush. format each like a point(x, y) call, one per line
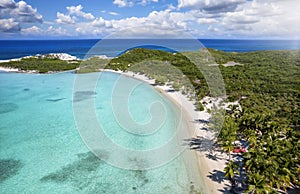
point(39, 135)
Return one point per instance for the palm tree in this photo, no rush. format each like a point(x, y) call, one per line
point(257, 184)
point(230, 170)
point(228, 135)
point(228, 147)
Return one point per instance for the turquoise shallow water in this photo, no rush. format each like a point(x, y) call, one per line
point(41, 150)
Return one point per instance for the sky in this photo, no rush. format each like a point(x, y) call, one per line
point(206, 19)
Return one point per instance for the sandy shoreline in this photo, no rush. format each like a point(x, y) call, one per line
point(206, 166)
point(7, 69)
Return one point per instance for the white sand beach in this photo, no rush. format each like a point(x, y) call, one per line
point(7, 69)
point(209, 167)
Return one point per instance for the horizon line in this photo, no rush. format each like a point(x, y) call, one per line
point(62, 39)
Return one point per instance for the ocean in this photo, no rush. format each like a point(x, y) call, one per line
point(10, 49)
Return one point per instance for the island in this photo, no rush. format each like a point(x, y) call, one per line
point(261, 129)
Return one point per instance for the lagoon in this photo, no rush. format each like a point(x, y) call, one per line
point(42, 150)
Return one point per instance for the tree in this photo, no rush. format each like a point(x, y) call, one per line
point(257, 184)
point(230, 170)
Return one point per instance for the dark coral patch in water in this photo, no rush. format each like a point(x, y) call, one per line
point(8, 107)
point(55, 100)
point(83, 95)
point(78, 173)
point(9, 168)
point(141, 177)
point(26, 89)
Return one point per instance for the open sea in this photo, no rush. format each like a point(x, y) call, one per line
point(49, 124)
point(80, 48)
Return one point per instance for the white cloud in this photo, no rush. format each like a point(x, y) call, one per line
point(122, 3)
point(110, 12)
point(70, 17)
point(4, 4)
point(160, 23)
point(265, 19)
point(97, 27)
point(19, 11)
point(207, 20)
point(156, 24)
point(214, 6)
point(77, 10)
point(238, 18)
point(113, 13)
point(171, 7)
point(100, 22)
point(50, 31)
point(32, 30)
point(145, 2)
point(213, 29)
point(9, 25)
point(65, 19)
point(130, 3)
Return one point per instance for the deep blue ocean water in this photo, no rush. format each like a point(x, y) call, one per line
point(19, 48)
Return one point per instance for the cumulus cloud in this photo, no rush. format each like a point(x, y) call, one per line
point(9, 25)
point(77, 10)
point(240, 18)
point(32, 30)
point(97, 27)
point(122, 3)
point(162, 20)
point(156, 24)
point(214, 6)
point(19, 11)
point(25, 13)
point(70, 17)
point(100, 22)
point(145, 2)
point(262, 18)
point(207, 20)
point(7, 4)
point(65, 19)
point(50, 31)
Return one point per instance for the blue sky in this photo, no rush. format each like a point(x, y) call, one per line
point(228, 19)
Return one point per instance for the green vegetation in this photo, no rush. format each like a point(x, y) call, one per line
point(93, 64)
point(42, 65)
point(174, 68)
point(199, 106)
point(268, 89)
point(267, 86)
